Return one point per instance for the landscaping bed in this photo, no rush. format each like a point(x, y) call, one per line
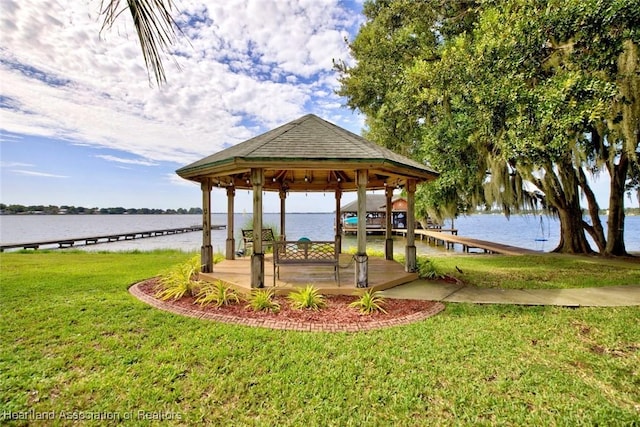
point(336, 311)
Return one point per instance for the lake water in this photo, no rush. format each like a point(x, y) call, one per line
point(527, 231)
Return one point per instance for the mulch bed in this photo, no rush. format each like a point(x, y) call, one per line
point(336, 316)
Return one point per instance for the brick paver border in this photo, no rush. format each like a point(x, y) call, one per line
point(289, 325)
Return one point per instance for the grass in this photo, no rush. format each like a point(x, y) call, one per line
point(551, 271)
point(74, 340)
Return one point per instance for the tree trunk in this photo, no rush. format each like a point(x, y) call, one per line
point(595, 230)
point(572, 237)
point(562, 193)
point(615, 221)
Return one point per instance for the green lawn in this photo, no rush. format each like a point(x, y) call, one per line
point(550, 271)
point(75, 342)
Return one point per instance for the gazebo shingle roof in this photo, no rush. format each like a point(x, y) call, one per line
point(307, 143)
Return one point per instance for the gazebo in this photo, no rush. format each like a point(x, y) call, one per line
point(307, 155)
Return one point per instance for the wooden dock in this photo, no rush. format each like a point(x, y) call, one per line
point(467, 243)
point(106, 238)
point(382, 230)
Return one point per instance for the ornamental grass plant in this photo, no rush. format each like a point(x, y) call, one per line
point(216, 293)
point(369, 303)
point(262, 300)
point(180, 280)
point(307, 298)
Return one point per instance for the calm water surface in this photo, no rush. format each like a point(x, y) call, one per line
point(533, 232)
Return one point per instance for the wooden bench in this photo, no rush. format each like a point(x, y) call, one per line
point(305, 252)
point(247, 238)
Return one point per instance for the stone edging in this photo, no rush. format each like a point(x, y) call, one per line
point(285, 324)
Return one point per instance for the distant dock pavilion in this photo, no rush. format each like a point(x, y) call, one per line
point(376, 207)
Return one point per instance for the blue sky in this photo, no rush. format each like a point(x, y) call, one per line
point(81, 125)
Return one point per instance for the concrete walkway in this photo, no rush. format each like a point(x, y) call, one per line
point(609, 296)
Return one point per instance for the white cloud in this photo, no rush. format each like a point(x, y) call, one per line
point(174, 179)
point(15, 165)
point(116, 159)
point(40, 174)
point(5, 137)
point(246, 66)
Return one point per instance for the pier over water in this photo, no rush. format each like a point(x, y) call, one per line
point(107, 238)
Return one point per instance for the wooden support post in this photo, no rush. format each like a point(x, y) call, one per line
point(362, 262)
point(283, 206)
point(410, 249)
point(206, 250)
point(231, 242)
point(338, 238)
point(388, 243)
point(257, 257)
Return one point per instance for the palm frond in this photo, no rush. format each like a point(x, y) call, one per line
point(154, 25)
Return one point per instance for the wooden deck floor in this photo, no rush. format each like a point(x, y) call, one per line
point(383, 274)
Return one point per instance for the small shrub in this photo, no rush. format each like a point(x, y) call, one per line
point(427, 269)
point(262, 300)
point(308, 298)
point(369, 303)
point(216, 293)
point(180, 280)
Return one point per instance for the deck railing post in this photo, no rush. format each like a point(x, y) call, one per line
point(388, 244)
point(362, 261)
point(410, 250)
point(338, 236)
point(206, 251)
point(231, 242)
point(257, 257)
point(283, 214)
